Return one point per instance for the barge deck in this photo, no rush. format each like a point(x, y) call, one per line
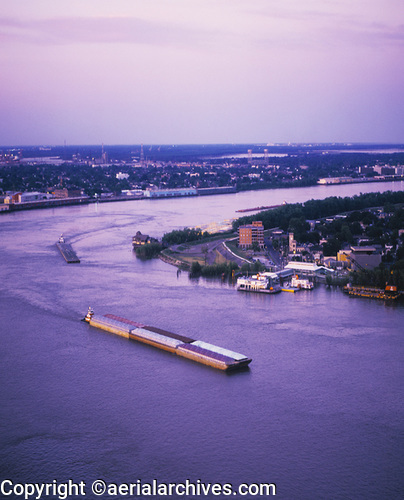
point(197, 350)
point(67, 251)
point(389, 293)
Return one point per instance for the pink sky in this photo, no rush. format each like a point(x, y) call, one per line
point(201, 71)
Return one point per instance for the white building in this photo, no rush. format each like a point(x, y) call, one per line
point(169, 193)
point(308, 268)
point(121, 175)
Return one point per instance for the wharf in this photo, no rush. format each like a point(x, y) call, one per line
point(67, 252)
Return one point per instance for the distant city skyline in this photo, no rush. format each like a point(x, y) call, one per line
point(201, 71)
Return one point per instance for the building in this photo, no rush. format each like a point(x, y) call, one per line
point(344, 256)
point(309, 269)
point(292, 243)
point(142, 239)
point(26, 197)
point(365, 258)
point(250, 234)
point(67, 193)
point(169, 193)
point(122, 175)
point(335, 180)
point(384, 170)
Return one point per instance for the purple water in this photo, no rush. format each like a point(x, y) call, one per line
point(319, 413)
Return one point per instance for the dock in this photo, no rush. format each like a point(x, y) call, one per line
point(67, 252)
point(186, 347)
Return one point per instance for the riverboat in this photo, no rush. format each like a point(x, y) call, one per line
point(262, 283)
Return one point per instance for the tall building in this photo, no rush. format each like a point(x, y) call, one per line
point(250, 234)
point(292, 243)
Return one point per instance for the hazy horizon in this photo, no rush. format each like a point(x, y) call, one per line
point(307, 144)
point(201, 72)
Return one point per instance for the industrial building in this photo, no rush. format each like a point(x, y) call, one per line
point(169, 193)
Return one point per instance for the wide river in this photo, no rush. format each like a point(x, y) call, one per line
point(319, 413)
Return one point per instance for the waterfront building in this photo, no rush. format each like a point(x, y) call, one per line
point(360, 257)
point(365, 258)
point(142, 239)
point(310, 269)
point(344, 256)
point(27, 197)
point(250, 234)
point(335, 180)
point(67, 193)
point(169, 193)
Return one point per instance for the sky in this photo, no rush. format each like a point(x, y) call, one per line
point(201, 71)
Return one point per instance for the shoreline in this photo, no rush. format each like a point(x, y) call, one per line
point(85, 200)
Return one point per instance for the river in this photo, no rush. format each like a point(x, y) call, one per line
point(319, 413)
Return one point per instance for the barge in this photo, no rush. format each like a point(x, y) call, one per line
point(388, 293)
point(262, 283)
point(67, 251)
point(186, 347)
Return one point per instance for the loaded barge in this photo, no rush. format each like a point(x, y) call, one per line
point(389, 293)
point(67, 251)
point(197, 350)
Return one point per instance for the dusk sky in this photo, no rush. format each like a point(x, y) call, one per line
point(201, 71)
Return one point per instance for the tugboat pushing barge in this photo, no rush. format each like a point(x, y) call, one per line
point(67, 251)
point(197, 350)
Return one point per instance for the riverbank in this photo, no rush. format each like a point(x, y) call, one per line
point(83, 200)
point(80, 200)
point(207, 252)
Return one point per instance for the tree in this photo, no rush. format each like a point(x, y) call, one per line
point(196, 268)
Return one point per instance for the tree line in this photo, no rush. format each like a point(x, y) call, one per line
point(317, 209)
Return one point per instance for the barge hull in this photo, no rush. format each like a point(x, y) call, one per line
point(196, 350)
point(68, 253)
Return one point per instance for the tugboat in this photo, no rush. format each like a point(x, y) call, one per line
point(67, 251)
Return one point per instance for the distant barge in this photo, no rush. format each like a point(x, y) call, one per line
point(256, 209)
point(197, 350)
point(389, 293)
point(67, 251)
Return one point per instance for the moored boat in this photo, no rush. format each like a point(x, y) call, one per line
point(262, 282)
point(301, 283)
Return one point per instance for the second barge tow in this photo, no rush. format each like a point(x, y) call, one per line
point(197, 350)
point(67, 251)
